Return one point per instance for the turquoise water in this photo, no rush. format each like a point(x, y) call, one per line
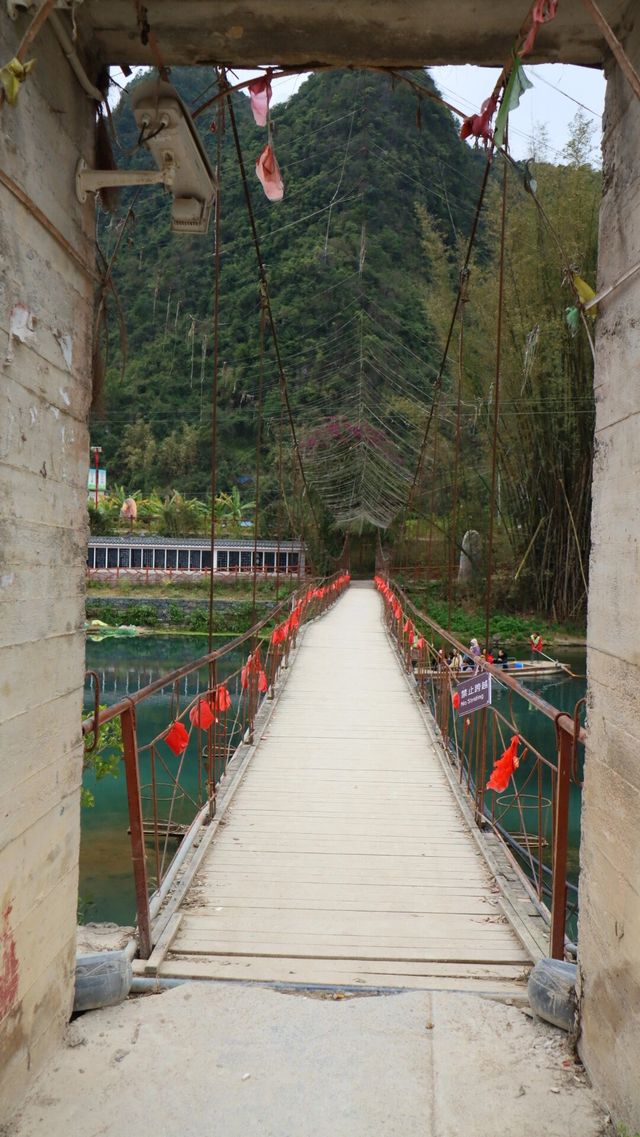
point(563, 692)
point(125, 665)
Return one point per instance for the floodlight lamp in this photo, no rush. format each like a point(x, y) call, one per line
point(17, 7)
point(168, 133)
point(170, 136)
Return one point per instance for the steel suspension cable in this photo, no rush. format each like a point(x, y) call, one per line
point(256, 511)
point(496, 406)
point(265, 286)
point(437, 386)
point(456, 461)
point(216, 367)
point(281, 492)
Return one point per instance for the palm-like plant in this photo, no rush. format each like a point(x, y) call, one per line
point(231, 511)
point(177, 515)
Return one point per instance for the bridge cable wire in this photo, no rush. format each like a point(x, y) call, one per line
point(216, 369)
point(264, 283)
point(496, 406)
point(437, 386)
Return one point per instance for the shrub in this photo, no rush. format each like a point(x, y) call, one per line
point(98, 610)
point(176, 614)
point(143, 615)
point(198, 620)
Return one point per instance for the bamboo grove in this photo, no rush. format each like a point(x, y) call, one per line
point(545, 418)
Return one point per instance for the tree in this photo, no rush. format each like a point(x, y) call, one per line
point(546, 411)
point(178, 516)
point(231, 511)
point(579, 149)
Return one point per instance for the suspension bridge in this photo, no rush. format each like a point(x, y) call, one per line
point(334, 841)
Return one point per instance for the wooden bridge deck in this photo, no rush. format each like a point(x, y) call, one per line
point(343, 857)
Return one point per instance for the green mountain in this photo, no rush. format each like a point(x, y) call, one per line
point(348, 278)
point(363, 259)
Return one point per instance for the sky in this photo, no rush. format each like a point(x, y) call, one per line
point(554, 100)
point(557, 89)
point(559, 92)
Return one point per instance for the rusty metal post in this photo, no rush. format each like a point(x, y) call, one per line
point(409, 661)
point(481, 768)
point(212, 744)
point(130, 746)
point(560, 840)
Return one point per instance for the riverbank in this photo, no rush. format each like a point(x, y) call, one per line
point(468, 619)
point(183, 607)
point(230, 617)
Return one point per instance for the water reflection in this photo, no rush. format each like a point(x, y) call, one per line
point(124, 666)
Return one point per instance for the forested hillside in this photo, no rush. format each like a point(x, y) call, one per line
point(363, 258)
point(344, 260)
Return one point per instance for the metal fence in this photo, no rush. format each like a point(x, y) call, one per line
point(517, 789)
point(173, 779)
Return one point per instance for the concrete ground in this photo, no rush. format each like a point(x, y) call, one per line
point(246, 1061)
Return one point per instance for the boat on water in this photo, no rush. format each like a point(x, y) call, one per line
point(519, 668)
point(536, 666)
point(98, 630)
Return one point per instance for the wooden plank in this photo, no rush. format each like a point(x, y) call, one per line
point(286, 893)
point(186, 966)
point(422, 904)
point(164, 943)
point(344, 855)
point(502, 981)
point(452, 863)
point(388, 847)
point(314, 827)
point(390, 927)
point(424, 871)
point(436, 952)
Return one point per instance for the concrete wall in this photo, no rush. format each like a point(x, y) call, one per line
point(43, 468)
point(609, 933)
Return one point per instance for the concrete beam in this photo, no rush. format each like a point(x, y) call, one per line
point(609, 929)
point(44, 400)
point(399, 33)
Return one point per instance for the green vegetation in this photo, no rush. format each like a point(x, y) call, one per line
point(230, 618)
point(347, 139)
point(466, 623)
point(239, 587)
point(466, 617)
point(172, 515)
point(364, 258)
point(544, 436)
point(105, 760)
point(232, 604)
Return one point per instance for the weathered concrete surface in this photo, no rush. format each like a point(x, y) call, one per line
point(403, 33)
point(250, 1062)
point(609, 934)
point(43, 468)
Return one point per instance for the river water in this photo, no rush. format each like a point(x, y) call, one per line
point(125, 665)
point(563, 691)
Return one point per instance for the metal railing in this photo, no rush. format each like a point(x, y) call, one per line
point(185, 762)
point(529, 812)
point(150, 575)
